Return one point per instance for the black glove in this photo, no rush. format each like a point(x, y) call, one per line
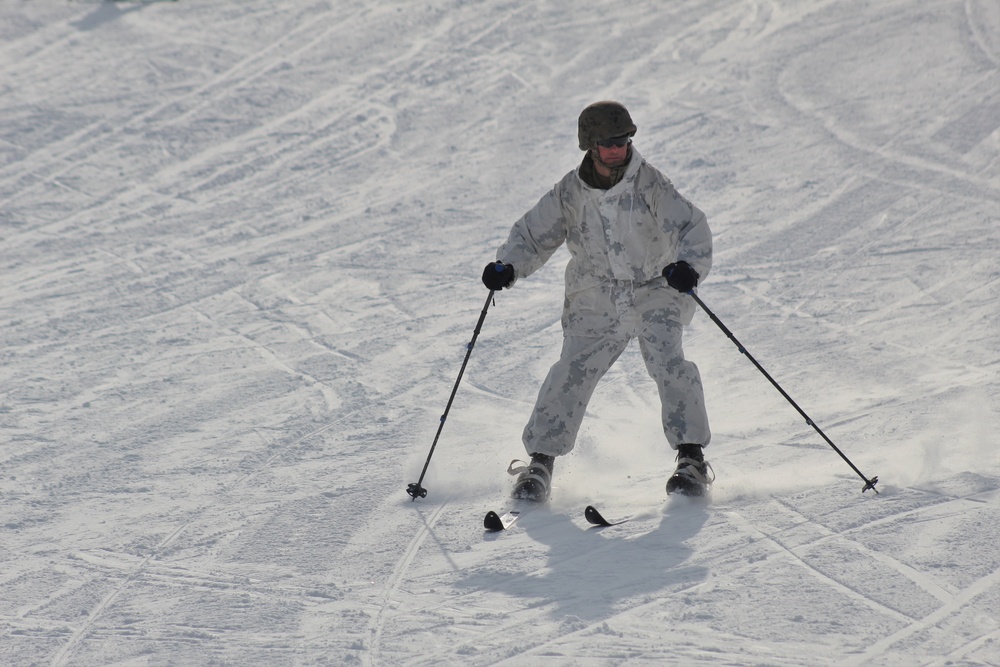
point(498, 275)
point(681, 276)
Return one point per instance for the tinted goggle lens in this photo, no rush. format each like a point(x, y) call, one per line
point(617, 142)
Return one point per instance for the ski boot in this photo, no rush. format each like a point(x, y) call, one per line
point(534, 480)
point(693, 475)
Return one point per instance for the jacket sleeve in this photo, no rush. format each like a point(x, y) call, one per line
point(696, 243)
point(687, 226)
point(537, 235)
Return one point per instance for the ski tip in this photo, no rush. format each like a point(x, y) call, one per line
point(594, 517)
point(492, 522)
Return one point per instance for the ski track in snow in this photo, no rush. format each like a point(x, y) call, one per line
point(241, 245)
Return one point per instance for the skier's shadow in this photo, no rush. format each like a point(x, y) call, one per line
point(106, 12)
point(589, 571)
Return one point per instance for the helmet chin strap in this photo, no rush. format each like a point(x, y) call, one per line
point(616, 171)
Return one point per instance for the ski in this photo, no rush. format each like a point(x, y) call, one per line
point(595, 517)
point(497, 521)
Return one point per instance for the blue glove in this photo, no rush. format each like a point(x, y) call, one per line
point(681, 276)
point(498, 275)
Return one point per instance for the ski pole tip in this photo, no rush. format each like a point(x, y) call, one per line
point(416, 491)
point(871, 485)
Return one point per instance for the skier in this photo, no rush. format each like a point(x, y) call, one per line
point(636, 248)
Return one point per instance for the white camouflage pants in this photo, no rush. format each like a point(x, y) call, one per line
point(596, 332)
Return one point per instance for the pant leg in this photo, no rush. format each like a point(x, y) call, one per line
point(682, 397)
point(563, 398)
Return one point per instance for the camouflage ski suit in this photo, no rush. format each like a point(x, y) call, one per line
point(619, 241)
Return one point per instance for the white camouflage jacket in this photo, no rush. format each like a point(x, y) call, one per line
point(619, 241)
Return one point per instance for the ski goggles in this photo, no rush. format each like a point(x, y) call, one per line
point(616, 142)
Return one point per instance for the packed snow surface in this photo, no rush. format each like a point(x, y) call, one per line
point(241, 245)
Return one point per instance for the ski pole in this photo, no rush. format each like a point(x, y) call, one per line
point(869, 483)
point(414, 489)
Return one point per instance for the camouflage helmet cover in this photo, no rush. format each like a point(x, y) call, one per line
point(603, 120)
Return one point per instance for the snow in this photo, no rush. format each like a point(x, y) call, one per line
point(241, 248)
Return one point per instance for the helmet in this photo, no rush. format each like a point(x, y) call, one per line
point(603, 120)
